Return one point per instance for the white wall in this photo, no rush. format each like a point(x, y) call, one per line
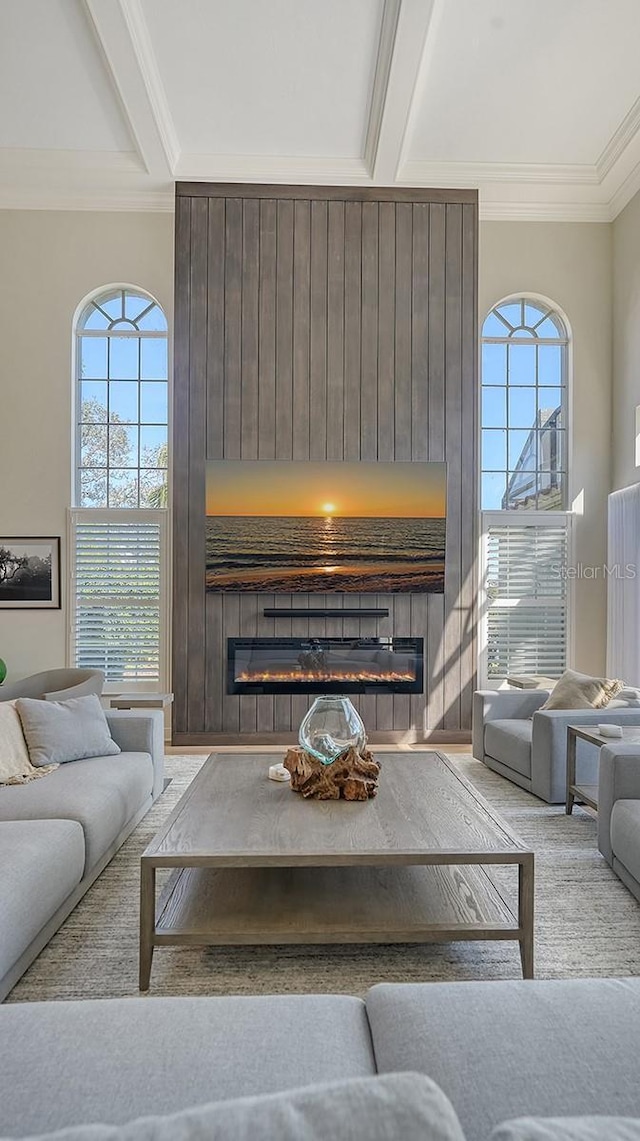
point(626, 342)
point(49, 261)
point(570, 263)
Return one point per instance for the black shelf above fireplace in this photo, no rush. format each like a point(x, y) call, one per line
point(325, 665)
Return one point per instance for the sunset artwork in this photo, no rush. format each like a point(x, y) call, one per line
point(291, 526)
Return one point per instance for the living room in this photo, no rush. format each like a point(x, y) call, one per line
point(320, 430)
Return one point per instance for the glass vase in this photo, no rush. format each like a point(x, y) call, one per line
point(331, 726)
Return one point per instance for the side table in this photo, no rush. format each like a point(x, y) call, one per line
point(141, 700)
point(588, 793)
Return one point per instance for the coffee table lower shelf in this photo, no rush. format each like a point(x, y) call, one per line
point(204, 906)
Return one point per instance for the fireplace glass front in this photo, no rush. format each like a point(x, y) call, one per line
point(325, 665)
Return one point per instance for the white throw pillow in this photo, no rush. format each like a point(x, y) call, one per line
point(581, 691)
point(60, 731)
point(15, 766)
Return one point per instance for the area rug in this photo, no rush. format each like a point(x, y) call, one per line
point(587, 923)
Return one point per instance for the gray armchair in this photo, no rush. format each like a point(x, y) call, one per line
point(619, 812)
point(56, 685)
point(515, 738)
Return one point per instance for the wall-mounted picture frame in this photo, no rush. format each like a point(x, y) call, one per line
point(30, 573)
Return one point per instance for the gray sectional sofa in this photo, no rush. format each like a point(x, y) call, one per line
point(58, 833)
point(498, 1050)
point(619, 811)
point(528, 746)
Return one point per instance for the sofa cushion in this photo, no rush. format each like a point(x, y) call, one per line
point(509, 741)
point(403, 1106)
point(505, 1049)
point(568, 1129)
point(41, 862)
point(60, 731)
point(15, 766)
point(102, 794)
point(131, 1057)
point(625, 834)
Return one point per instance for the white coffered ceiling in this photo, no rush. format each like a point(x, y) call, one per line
point(106, 103)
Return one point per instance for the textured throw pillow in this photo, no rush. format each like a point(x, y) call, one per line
point(15, 766)
point(568, 1129)
point(59, 731)
point(393, 1107)
point(580, 691)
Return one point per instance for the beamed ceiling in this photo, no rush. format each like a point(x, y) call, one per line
point(105, 103)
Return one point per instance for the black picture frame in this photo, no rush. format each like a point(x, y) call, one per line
point(30, 572)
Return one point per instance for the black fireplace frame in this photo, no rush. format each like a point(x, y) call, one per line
point(397, 645)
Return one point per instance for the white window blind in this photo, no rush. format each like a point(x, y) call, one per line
point(526, 599)
point(118, 591)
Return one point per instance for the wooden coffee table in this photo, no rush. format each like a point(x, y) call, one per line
point(254, 863)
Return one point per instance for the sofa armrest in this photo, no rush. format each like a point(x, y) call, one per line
point(549, 747)
point(499, 704)
point(138, 732)
point(619, 779)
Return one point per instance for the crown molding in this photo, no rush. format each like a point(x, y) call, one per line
point(426, 173)
point(145, 55)
point(544, 211)
point(17, 160)
point(622, 137)
point(270, 168)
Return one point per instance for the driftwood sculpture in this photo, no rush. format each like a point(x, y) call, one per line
point(352, 776)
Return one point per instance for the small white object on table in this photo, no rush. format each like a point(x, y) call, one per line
point(278, 772)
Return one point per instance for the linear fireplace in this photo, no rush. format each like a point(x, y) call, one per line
point(325, 665)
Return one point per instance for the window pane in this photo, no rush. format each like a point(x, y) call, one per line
point(550, 447)
point(93, 446)
point(93, 488)
point(512, 313)
point(533, 313)
point(93, 357)
point(494, 327)
point(123, 488)
point(494, 450)
point(153, 447)
point(153, 358)
point(153, 403)
point(134, 305)
point(93, 400)
point(494, 364)
point(123, 446)
point(522, 407)
point(550, 404)
point(123, 358)
point(522, 364)
point(550, 364)
point(494, 407)
point(113, 306)
point(493, 489)
point(123, 401)
point(154, 321)
point(154, 491)
point(94, 320)
point(521, 449)
point(522, 334)
point(551, 327)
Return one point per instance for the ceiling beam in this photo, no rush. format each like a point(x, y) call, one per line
point(123, 35)
point(403, 38)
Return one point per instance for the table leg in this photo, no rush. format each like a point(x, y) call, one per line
point(572, 742)
point(525, 913)
point(147, 920)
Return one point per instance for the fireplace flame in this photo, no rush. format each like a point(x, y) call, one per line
point(301, 676)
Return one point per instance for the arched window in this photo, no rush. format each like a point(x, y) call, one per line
point(122, 401)
point(524, 408)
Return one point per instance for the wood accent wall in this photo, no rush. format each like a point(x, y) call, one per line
point(323, 323)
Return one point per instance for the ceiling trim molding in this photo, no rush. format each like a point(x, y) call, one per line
point(544, 211)
point(476, 173)
point(625, 192)
point(126, 46)
point(16, 160)
point(405, 32)
point(622, 137)
point(270, 168)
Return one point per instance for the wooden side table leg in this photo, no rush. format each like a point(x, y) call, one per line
point(572, 742)
point(526, 913)
point(147, 920)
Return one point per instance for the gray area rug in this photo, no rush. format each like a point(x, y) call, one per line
point(587, 923)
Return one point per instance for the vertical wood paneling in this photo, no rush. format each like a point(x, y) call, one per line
point(323, 328)
point(352, 329)
point(267, 333)
point(453, 452)
point(180, 609)
point(197, 446)
point(335, 331)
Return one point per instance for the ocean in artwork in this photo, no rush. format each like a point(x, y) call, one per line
point(273, 554)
